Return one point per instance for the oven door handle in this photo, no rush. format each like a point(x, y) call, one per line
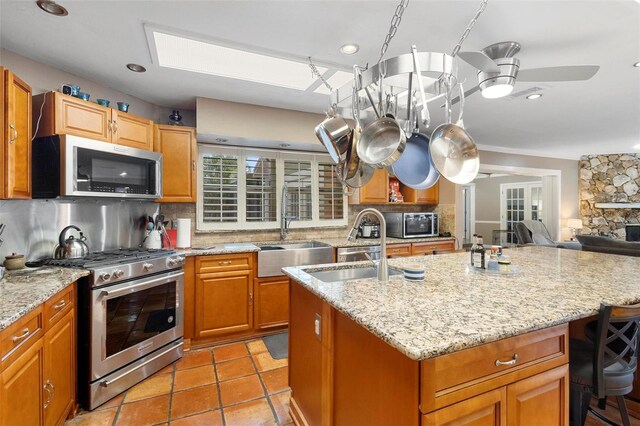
point(107, 383)
point(141, 285)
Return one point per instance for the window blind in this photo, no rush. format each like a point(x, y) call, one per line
point(260, 189)
point(297, 176)
point(220, 188)
point(331, 197)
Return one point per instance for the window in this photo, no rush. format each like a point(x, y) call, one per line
point(242, 189)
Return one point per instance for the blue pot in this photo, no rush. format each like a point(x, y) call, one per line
point(123, 106)
point(103, 102)
point(84, 96)
point(75, 90)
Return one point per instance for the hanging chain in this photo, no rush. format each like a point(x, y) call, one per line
point(316, 73)
point(481, 9)
point(395, 23)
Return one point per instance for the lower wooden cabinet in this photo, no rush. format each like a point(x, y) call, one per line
point(38, 378)
point(540, 399)
point(487, 409)
point(224, 303)
point(271, 302)
point(21, 393)
point(59, 378)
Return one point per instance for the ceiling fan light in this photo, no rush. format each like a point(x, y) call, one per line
point(52, 7)
point(497, 90)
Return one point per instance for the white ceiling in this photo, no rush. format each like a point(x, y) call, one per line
point(601, 115)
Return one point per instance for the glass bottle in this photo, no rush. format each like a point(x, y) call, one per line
point(478, 253)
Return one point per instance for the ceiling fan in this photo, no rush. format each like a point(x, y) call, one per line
point(498, 70)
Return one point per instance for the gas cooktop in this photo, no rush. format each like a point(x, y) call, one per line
point(111, 257)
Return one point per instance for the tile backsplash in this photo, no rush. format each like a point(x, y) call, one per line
point(207, 238)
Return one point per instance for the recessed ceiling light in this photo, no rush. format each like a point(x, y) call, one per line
point(221, 140)
point(179, 52)
point(285, 145)
point(349, 49)
point(52, 7)
point(637, 64)
point(136, 68)
point(534, 96)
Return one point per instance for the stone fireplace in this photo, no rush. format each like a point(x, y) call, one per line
point(611, 178)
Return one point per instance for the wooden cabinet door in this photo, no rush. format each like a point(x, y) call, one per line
point(131, 130)
point(271, 306)
point(377, 190)
point(178, 148)
point(224, 303)
point(429, 196)
point(17, 148)
point(21, 393)
point(80, 118)
point(542, 399)
point(487, 409)
point(305, 353)
point(59, 370)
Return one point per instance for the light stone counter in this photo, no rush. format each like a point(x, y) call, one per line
point(361, 242)
point(220, 249)
point(455, 307)
point(24, 290)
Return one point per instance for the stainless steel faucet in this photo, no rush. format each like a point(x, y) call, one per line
point(284, 219)
point(383, 268)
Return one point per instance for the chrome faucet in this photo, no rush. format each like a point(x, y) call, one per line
point(284, 219)
point(383, 268)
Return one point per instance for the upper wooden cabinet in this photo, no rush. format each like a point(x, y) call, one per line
point(178, 148)
point(131, 130)
point(376, 191)
point(66, 115)
point(15, 156)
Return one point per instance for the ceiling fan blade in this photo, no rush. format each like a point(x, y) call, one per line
point(480, 61)
point(466, 94)
point(566, 73)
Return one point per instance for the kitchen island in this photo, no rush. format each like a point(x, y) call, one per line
point(444, 350)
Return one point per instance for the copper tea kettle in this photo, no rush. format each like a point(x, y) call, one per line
point(71, 247)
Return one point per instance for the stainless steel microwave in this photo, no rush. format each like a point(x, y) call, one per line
point(412, 225)
point(71, 166)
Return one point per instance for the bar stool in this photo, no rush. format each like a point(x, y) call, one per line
point(606, 366)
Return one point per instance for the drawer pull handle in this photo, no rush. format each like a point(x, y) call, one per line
point(60, 305)
point(15, 133)
point(24, 334)
point(225, 262)
point(512, 361)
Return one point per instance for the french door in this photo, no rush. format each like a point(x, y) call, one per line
point(518, 201)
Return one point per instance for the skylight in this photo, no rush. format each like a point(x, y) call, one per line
point(337, 80)
point(207, 58)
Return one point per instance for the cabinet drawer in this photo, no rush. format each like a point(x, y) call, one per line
point(224, 263)
point(500, 356)
point(58, 305)
point(399, 250)
point(459, 375)
point(19, 336)
point(431, 247)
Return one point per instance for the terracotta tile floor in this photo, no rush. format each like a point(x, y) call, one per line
point(231, 385)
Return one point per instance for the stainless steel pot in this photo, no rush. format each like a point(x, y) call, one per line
point(382, 142)
point(333, 132)
point(71, 247)
point(452, 149)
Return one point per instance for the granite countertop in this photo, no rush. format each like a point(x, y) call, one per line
point(456, 308)
point(361, 242)
point(219, 249)
point(24, 290)
point(333, 242)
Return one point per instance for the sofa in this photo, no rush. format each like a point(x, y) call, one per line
point(609, 245)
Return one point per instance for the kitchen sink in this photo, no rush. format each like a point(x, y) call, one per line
point(273, 257)
point(349, 274)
